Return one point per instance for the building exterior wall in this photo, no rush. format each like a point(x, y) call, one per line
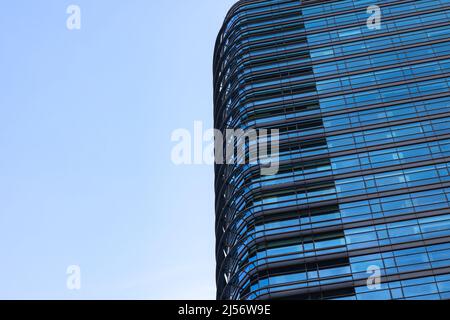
point(364, 180)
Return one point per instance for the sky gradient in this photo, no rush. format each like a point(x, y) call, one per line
point(86, 176)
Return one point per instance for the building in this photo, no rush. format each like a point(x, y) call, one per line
point(363, 190)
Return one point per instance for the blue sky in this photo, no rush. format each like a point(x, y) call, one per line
point(85, 171)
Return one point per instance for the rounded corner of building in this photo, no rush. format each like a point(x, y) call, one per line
point(230, 14)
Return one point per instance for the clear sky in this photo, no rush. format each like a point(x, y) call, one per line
point(86, 176)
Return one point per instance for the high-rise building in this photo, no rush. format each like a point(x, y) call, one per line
point(360, 207)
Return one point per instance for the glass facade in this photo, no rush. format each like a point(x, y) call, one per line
point(364, 178)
